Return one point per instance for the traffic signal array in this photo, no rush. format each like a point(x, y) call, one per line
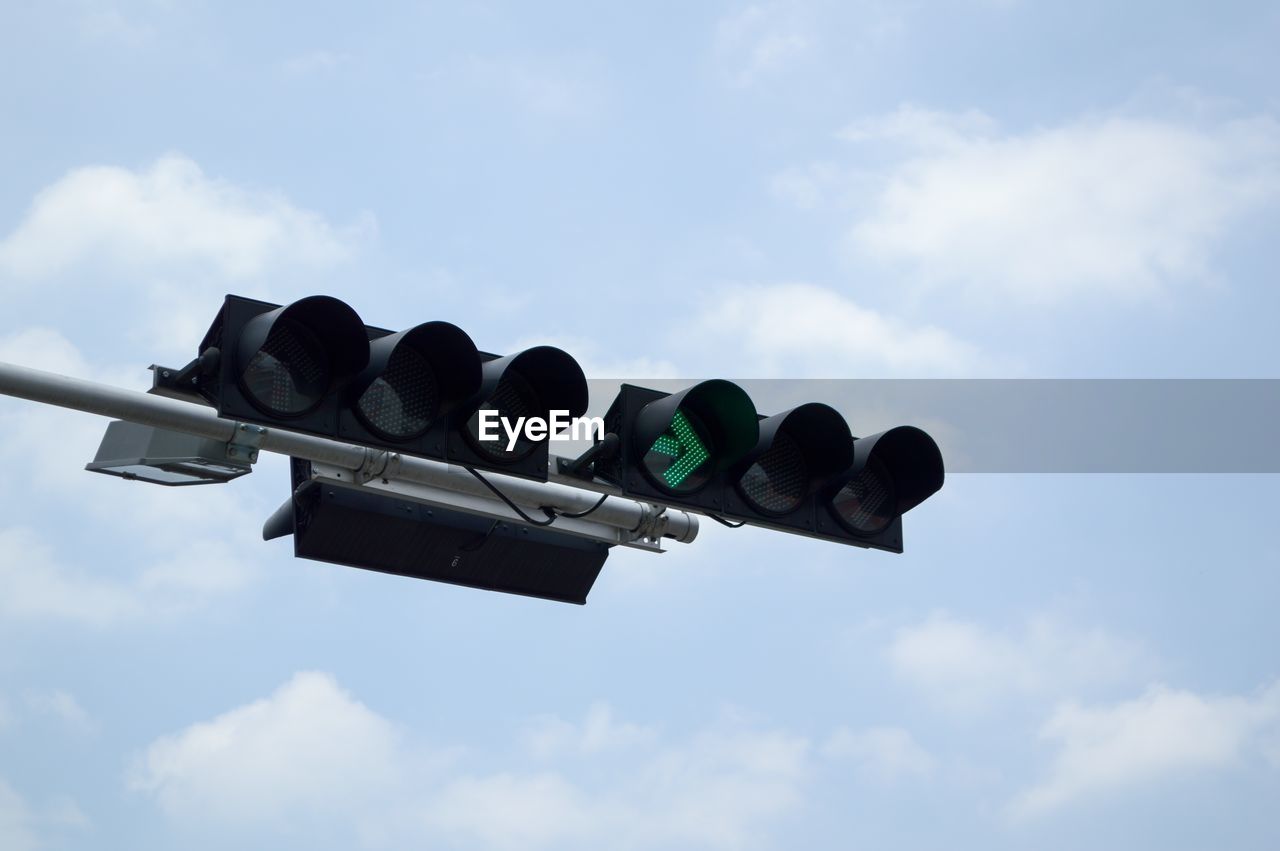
point(313, 366)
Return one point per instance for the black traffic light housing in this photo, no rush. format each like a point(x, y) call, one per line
point(413, 380)
point(313, 366)
point(798, 453)
point(800, 470)
point(282, 365)
point(534, 382)
point(675, 448)
point(892, 472)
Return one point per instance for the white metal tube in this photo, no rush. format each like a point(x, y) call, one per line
point(147, 409)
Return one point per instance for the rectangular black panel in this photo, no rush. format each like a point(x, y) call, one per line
point(383, 533)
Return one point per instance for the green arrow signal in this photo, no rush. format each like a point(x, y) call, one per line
point(681, 442)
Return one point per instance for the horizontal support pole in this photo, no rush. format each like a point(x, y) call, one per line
point(484, 505)
point(637, 519)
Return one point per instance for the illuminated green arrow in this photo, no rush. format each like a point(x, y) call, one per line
point(681, 442)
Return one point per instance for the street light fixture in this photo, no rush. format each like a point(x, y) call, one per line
point(162, 457)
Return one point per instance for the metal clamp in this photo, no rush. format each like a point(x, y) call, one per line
point(246, 442)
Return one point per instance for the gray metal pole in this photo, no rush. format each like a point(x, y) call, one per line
point(147, 409)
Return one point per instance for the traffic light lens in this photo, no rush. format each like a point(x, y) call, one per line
point(677, 460)
point(289, 375)
point(865, 503)
point(513, 399)
point(777, 481)
point(402, 401)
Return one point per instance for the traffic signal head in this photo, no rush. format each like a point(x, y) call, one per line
point(413, 379)
point(313, 366)
point(533, 383)
point(892, 472)
point(798, 451)
point(288, 359)
point(676, 447)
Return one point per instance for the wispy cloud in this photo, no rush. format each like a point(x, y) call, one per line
point(1165, 733)
point(307, 751)
point(965, 666)
point(551, 736)
point(167, 216)
point(760, 40)
point(882, 754)
point(28, 827)
point(311, 754)
point(550, 91)
point(803, 330)
point(1097, 207)
point(17, 822)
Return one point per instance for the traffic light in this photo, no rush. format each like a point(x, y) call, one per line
point(313, 366)
point(892, 472)
point(705, 448)
point(674, 448)
point(799, 452)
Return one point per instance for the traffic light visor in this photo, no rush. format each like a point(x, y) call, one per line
point(798, 451)
point(531, 383)
point(687, 437)
point(288, 359)
point(414, 377)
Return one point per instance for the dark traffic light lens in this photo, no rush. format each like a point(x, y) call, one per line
point(678, 460)
point(512, 399)
point(401, 403)
point(289, 375)
point(777, 481)
point(865, 505)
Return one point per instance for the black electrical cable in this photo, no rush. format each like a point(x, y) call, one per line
point(724, 522)
point(551, 516)
point(599, 503)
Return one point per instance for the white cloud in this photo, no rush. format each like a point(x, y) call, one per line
point(33, 585)
point(36, 587)
point(715, 791)
point(59, 705)
point(513, 811)
point(886, 754)
point(760, 40)
point(807, 187)
point(1162, 734)
point(166, 217)
point(308, 751)
point(1097, 207)
point(99, 22)
point(965, 666)
point(549, 90)
point(17, 822)
point(43, 348)
point(803, 330)
point(23, 827)
point(551, 736)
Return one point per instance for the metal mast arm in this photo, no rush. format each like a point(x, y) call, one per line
point(632, 521)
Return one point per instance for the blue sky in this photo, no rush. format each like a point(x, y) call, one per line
point(978, 188)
